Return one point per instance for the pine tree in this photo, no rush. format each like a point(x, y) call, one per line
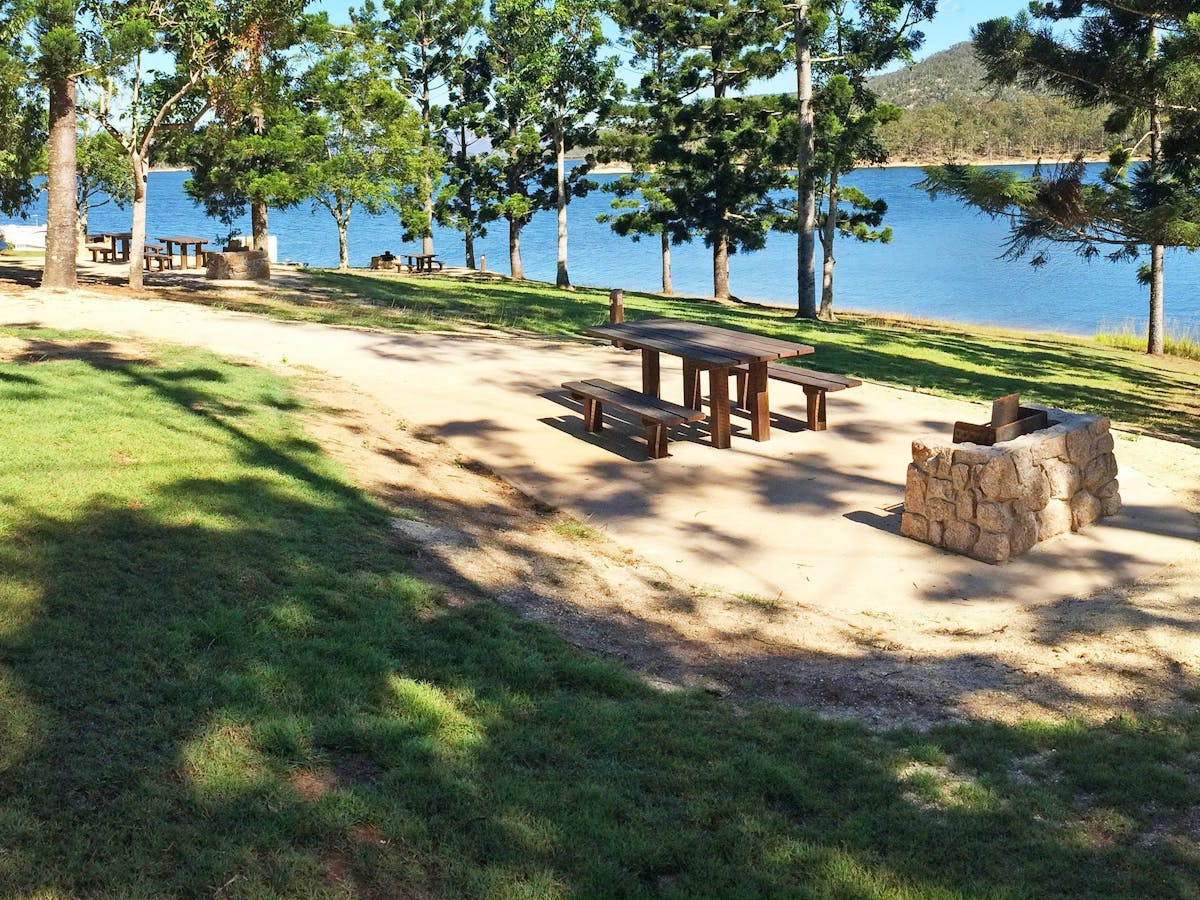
point(22, 132)
point(720, 158)
point(428, 42)
point(1143, 61)
point(832, 39)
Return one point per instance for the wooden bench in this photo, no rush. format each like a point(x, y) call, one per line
point(104, 251)
point(656, 414)
point(156, 254)
point(816, 385)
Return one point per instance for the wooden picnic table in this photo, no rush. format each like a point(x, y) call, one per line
point(184, 242)
point(706, 348)
point(421, 263)
point(124, 238)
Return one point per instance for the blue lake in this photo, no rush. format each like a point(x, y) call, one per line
point(943, 262)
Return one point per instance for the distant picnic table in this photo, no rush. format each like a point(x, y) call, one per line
point(720, 352)
point(123, 238)
point(421, 263)
point(184, 242)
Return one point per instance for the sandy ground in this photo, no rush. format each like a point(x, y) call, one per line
point(925, 638)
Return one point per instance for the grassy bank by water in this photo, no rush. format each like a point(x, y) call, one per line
point(218, 677)
point(1159, 396)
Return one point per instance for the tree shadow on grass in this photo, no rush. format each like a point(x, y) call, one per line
point(234, 686)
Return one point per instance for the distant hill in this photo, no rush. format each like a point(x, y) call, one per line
point(951, 75)
point(951, 114)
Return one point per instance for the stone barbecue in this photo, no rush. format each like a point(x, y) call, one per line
point(995, 502)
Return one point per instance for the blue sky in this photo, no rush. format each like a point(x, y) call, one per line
point(951, 25)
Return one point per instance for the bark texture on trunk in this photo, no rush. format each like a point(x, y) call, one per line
point(258, 116)
point(514, 251)
point(258, 225)
point(829, 235)
point(137, 243)
point(427, 238)
point(666, 263)
point(1155, 337)
point(561, 279)
point(61, 211)
point(721, 267)
point(465, 193)
point(806, 199)
point(1154, 327)
point(343, 224)
point(1154, 333)
point(721, 239)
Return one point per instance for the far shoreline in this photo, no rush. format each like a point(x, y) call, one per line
point(914, 163)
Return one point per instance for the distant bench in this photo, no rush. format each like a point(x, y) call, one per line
point(154, 253)
point(103, 251)
point(816, 385)
point(656, 414)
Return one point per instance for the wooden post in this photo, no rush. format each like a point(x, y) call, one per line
point(482, 263)
point(616, 312)
point(616, 307)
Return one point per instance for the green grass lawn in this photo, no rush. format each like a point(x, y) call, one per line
point(218, 677)
point(1159, 396)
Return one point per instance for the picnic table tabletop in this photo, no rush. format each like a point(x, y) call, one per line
point(181, 239)
point(701, 347)
point(707, 345)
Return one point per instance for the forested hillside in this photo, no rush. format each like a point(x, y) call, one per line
point(951, 114)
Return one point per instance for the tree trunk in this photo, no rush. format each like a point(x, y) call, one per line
point(825, 313)
point(666, 262)
point(258, 118)
point(806, 199)
point(469, 235)
point(561, 279)
point(343, 223)
point(1154, 334)
point(721, 238)
point(61, 211)
point(258, 225)
point(137, 240)
point(1154, 327)
point(427, 135)
point(721, 266)
point(465, 193)
point(514, 251)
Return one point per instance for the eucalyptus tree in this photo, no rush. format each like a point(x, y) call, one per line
point(372, 143)
point(102, 175)
point(22, 132)
point(1142, 60)
point(582, 86)
point(428, 42)
point(251, 154)
point(136, 104)
point(245, 155)
point(846, 135)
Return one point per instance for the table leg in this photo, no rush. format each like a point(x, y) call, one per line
point(756, 402)
point(691, 384)
point(718, 406)
point(650, 376)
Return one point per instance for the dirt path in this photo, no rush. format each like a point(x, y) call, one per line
point(1131, 648)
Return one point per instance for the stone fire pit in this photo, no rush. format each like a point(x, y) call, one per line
point(994, 503)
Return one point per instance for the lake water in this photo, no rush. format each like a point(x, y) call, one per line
point(941, 264)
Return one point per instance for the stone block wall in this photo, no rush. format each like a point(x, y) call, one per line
point(239, 265)
point(995, 503)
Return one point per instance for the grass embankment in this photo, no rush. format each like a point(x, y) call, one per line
point(1160, 396)
point(217, 676)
